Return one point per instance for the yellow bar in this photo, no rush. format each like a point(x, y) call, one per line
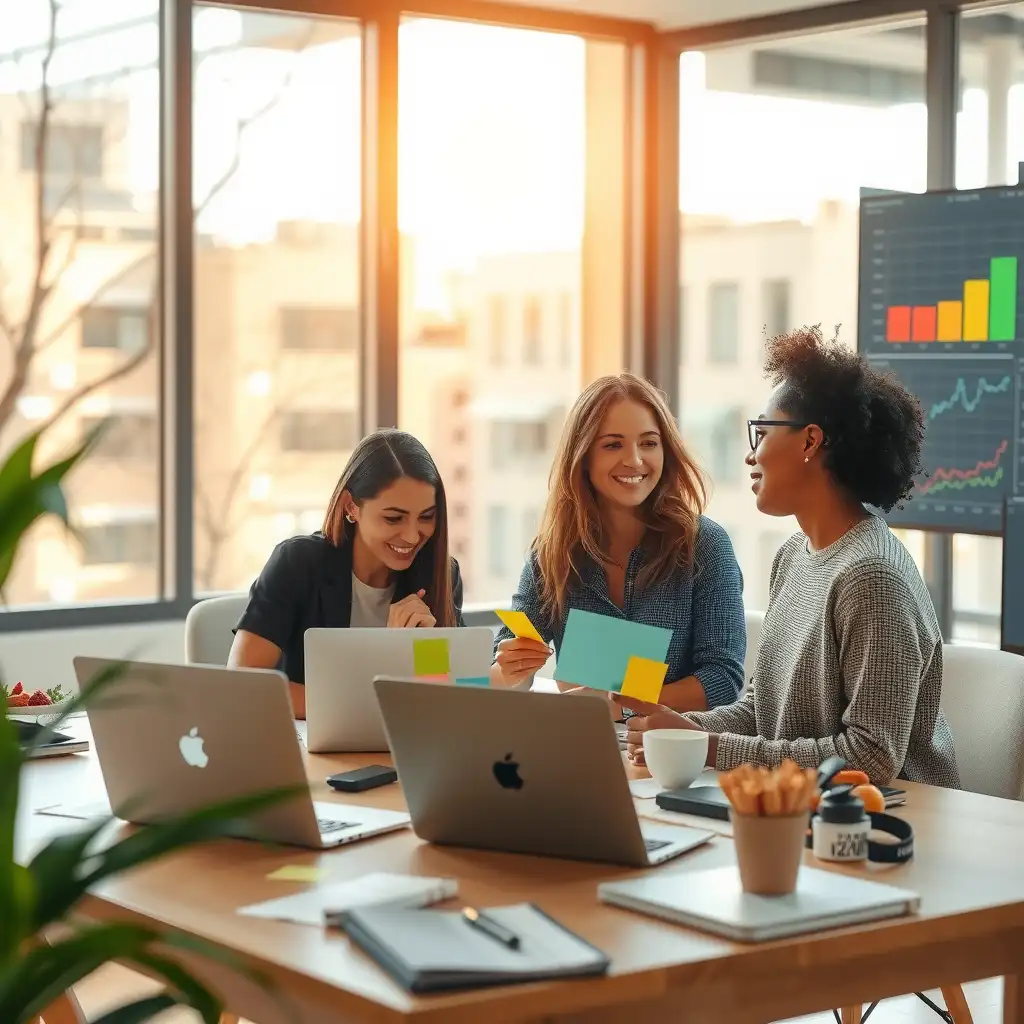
point(976, 310)
point(951, 318)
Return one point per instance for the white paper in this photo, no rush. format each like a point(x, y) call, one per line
point(81, 812)
point(378, 889)
point(644, 789)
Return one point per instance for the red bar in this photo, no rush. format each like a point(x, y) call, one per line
point(897, 324)
point(923, 325)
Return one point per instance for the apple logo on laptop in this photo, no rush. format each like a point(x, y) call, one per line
point(507, 773)
point(191, 747)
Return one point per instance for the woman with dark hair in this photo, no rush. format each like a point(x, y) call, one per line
point(850, 658)
point(624, 535)
point(381, 559)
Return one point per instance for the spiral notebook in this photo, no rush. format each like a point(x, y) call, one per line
point(431, 950)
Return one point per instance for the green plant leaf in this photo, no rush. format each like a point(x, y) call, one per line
point(137, 1012)
point(185, 988)
point(17, 469)
point(15, 887)
point(46, 971)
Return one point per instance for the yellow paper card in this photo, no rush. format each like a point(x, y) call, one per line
point(430, 658)
point(296, 873)
point(644, 679)
point(520, 624)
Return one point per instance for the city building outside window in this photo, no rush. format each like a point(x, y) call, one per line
point(724, 322)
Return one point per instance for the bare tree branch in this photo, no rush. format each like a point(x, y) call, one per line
point(24, 348)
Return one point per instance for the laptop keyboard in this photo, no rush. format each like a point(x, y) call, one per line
point(328, 826)
point(655, 844)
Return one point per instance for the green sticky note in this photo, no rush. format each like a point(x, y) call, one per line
point(474, 681)
point(296, 873)
point(430, 657)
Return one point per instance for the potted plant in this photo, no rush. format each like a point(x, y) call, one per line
point(36, 965)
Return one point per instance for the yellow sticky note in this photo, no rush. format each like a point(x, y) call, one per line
point(296, 873)
point(430, 657)
point(644, 679)
point(520, 624)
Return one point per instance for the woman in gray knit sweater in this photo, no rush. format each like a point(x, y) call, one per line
point(850, 658)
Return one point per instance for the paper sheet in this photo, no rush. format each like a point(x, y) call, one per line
point(379, 888)
point(644, 789)
point(80, 812)
point(520, 625)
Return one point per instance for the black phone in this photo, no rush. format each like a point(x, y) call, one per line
point(356, 781)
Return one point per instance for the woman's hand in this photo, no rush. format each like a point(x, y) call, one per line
point(410, 612)
point(518, 659)
point(662, 718)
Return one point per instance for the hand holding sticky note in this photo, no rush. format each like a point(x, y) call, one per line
point(520, 625)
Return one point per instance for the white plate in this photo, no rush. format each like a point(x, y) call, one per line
point(39, 712)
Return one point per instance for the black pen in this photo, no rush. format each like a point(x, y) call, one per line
point(489, 926)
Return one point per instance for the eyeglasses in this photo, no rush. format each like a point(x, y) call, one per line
point(754, 434)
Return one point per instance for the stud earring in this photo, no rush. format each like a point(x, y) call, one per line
point(349, 518)
point(807, 458)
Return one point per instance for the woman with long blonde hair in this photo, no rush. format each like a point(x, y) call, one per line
point(624, 535)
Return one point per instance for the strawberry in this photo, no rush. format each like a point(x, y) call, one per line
point(17, 689)
point(38, 699)
point(17, 700)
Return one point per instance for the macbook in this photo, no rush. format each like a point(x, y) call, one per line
point(171, 739)
point(341, 711)
point(519, 772)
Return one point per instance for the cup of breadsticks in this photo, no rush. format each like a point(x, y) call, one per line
point(769, 809)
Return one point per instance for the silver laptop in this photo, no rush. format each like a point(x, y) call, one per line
point(174, 738)
point(519, 772)
point(341, 710)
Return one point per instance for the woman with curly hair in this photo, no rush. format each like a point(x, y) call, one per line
point(623, 535)
point(850, 658)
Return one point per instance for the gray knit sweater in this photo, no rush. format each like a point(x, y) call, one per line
point(850, 663)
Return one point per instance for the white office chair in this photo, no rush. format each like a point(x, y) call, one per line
point(983, 698)
point(208, 627)
point(754, 621)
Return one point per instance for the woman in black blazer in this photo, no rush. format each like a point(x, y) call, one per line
point(381, 559)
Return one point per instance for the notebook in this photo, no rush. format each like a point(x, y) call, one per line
point(713, 900)
point(56, 745)
point(432, 950)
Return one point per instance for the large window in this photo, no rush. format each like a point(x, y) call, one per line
point(79, 162)
point(277, 113)
point(491, 192)
point(990, 147)
point(769, 223)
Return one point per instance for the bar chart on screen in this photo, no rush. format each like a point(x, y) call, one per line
point(942, 272)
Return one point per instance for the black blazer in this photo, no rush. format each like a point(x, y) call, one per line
point(306, 584)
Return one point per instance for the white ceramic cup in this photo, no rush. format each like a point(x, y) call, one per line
point(675, 757)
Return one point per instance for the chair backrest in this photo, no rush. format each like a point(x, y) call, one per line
point(754, 622)
point(983, 698)
point(208, 627)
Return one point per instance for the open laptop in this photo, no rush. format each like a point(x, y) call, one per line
point(519, 772)
point(174, 738)
point(341, 711)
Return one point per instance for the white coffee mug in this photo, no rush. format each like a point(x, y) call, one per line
point(675, 757)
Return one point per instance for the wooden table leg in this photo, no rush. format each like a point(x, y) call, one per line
point(64, 1010)
point(1013, 999)
point(851, 1014)
point(956, 1003)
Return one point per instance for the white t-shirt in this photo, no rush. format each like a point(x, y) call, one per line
point(370, 606)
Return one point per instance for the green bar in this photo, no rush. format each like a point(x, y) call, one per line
point(1002, 324)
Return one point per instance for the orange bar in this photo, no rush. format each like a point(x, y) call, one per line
point(897, 323)
point(951, 321)
point(922, 324)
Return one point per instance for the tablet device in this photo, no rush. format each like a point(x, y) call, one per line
point(711, 801)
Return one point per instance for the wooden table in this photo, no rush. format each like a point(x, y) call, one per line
point(968, 869)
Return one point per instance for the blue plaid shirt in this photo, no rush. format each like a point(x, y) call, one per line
point(703, 608)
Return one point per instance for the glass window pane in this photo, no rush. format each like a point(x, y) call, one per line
point(91, 354)
point(277, 185)
point(769, 224)
point(491, 213)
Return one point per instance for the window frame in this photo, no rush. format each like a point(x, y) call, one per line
point(651, 340)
